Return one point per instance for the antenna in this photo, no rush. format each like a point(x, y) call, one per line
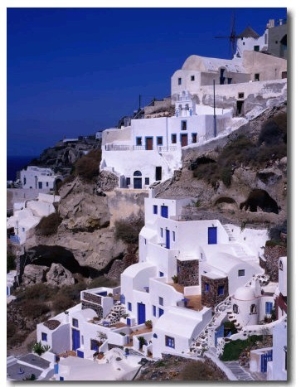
point(232, 37)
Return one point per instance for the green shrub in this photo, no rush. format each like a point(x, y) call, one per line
point(233, 349)
point(128, 229)
point(39, 348)
point(48, 225)
point(87, 167)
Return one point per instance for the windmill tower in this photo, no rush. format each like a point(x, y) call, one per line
point(232, 38)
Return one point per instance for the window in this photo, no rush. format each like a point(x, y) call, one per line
point(173, 233)
point(183, 125)
point(164, 211)
point(241, 273)
point(240, 95)
point(24, 181)
point(256, 77)
point(235, 309)
point(160, 312)
point(40, 185)
point(47, 184)
point(139, 141)
point(221, 290)
point(170, 341)
point(253, 309)
point(256, 48)
point(44, 336)
point(161, 274)
point(161, 301)
point(174, 138)
point(155, 209)
point(280, 265)
point(269, 307)
point(161, 232)
point(159, 140)
point(206, 287)
point(94, 345)
point(147, 181)
point(179, 81)
point(192, 78)
point(194, 138)
point(129, 306)
point(127, 181)
point(75, 322)
point(154, 310)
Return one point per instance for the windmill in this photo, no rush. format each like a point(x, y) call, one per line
point(232, 37)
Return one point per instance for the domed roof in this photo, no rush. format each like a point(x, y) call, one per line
point(244, 293)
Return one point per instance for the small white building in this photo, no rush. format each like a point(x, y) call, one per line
point(28, 214)
point(149, 150)
point(39, 178)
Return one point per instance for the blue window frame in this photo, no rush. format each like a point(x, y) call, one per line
point(155, 209)
point(44, 336)
point(269, 307)
point(94, 345)
point(161, 274)
point(170, 341)
point(164, 211)
point(154, 310)
point(75, 322)
point(221, 290)
point(129, 306)
point(160, 312)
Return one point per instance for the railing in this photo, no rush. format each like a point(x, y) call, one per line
point(113, 147)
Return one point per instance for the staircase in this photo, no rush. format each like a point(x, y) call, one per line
point(230, 235)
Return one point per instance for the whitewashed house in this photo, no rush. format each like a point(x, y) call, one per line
point(39, 178)
point(149, 150)
point(185, 268)
point(28, 214)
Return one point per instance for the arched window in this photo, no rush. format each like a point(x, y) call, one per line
point(137, 173)
point(235, 308)
point(253, 309)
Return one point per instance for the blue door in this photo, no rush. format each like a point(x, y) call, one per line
point(219, 333)
point(212, 235)
point(160, 312)
point(264, 360)
point(164, 211)
point(141, 313)
point(167, 239)
point(75, 339)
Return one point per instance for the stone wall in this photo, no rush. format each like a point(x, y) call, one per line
point(188, 272)
point(92, 298)
point(270, 261)
point(211, 298)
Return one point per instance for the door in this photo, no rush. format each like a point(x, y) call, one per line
point(141, 313)
point(149, 143)
point(158, 173)
point(164, 211)
point(212, 235)
point(137, 180)
point(167, 239)
point(184, 139)
point(75, 339)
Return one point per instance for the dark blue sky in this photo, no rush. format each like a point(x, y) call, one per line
point(73, 71)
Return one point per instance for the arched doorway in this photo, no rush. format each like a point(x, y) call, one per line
point(137, 180)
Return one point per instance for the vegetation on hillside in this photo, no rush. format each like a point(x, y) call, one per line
point(87, 167)
point(271, 145)
point(48, 225)
point(128, 229)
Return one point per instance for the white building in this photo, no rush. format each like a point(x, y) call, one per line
point(185, 268)
point(149, 150)
point(38, 178)
point(28, 214)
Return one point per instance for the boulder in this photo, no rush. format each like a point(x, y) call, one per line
point(34, 274)
point(59, 276)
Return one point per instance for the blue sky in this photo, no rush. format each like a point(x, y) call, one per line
point(73, 71)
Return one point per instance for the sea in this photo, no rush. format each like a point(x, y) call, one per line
point(15, 164)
